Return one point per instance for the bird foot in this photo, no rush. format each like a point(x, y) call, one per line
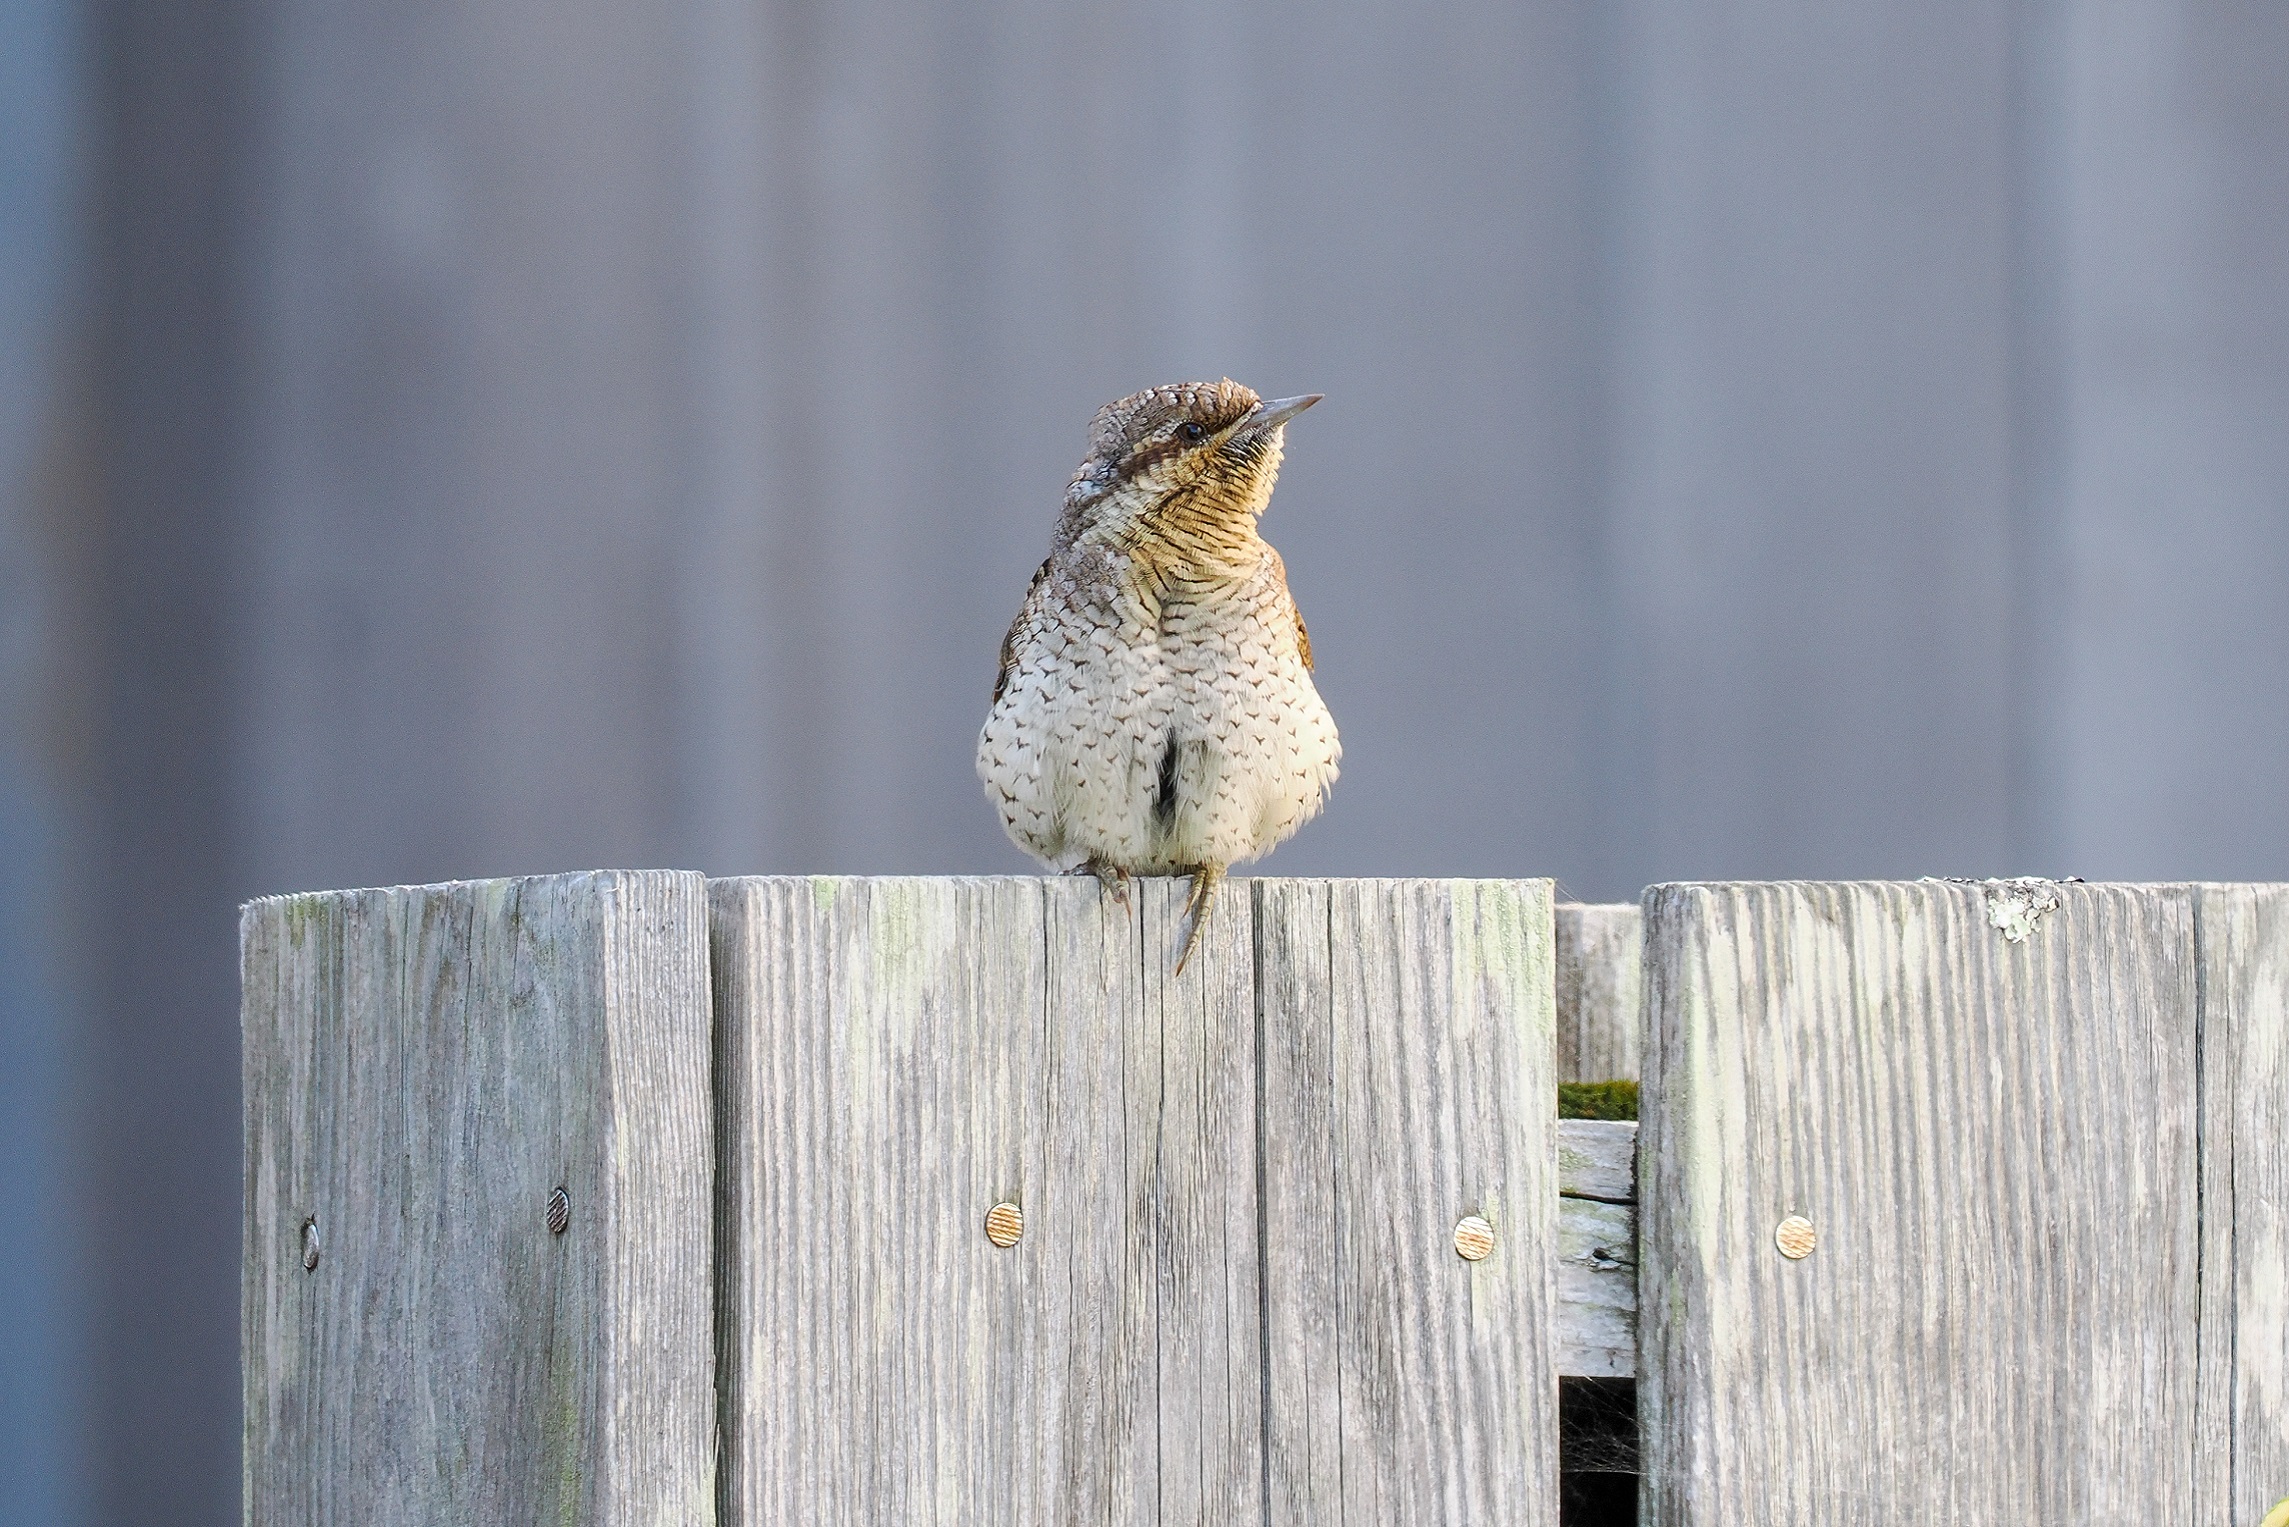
point(1205, 879)
point(1111, 877)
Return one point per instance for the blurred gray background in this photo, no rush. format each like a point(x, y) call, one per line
point(436, 440)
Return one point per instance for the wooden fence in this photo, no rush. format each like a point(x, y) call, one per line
point(635, 1197)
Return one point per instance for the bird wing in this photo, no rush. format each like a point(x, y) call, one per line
point(1303, 637)
point(1026, 615)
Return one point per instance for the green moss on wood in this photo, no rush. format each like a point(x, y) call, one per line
point(1597, 1100)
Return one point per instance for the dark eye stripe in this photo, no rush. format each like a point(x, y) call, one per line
point(1149, 456)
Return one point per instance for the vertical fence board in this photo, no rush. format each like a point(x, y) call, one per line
point(1303, 1275)
point(881, 1078)
point(896, 1056)
point(1409, 1045)
point(2243, 933)
point(423, 1068)
point(1096, 1415)
point(1599, 950)
point(1995, 1142)
point(1205, 1209)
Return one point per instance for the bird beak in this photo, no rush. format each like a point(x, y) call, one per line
point(1270, 414)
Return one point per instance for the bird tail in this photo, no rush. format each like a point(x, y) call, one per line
point(1205, 879)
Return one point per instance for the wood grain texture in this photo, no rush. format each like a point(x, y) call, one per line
point(894, 1057)
point(1595, 1259)
point(423, 1067)
point(1597, 1158)
point(1599, 949)
point(1996, 1143)
point(1298, 1167)
point(1595, 1265)
point(1408, 1057)
point(2242, 932)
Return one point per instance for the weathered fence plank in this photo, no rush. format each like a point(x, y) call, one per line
point(895, 1057)
point(2243, 935)
point(1994, 1141)
point(1204, 1127)
point(1303, 1291)
point(424, 1067)
point(1598, 950)
point(885, 1076)
point(1408, 1057)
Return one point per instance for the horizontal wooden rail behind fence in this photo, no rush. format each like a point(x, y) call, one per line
point(635, 1197)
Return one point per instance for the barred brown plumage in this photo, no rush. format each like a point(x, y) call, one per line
point(1155, 713)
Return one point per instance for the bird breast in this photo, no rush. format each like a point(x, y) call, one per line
point(1153, 719)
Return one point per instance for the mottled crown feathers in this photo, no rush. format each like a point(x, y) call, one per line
point(1121, 427)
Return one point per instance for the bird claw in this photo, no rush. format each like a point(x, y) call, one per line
point(1111, 877)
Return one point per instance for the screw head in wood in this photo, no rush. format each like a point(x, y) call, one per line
point(559, 1211)
point(1795, 1238)
point(310, 1245)
point(1005, 1222)
point(1473, 1238)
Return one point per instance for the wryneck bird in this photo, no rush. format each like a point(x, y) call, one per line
point(1155, 713)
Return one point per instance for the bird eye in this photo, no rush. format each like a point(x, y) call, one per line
point(1191, 432)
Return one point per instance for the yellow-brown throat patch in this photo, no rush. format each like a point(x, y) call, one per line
point(1175, 480)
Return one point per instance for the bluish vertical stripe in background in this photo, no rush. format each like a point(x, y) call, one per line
point(40, 201)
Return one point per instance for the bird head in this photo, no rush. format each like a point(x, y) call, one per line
point(1187, 467)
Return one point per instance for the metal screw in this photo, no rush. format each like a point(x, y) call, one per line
point(1794, 1236)
point(1005, 1222)
point(559, 1211)
point(1473, 1238)
point(310, 1245)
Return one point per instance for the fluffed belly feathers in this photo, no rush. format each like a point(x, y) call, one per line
point(1158, 751)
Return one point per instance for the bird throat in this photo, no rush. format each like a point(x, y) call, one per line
point(1202, 534)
